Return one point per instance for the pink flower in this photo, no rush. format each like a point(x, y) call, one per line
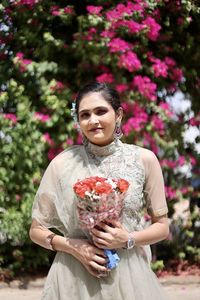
point(170, 61)
point(184, 190)
point(160, 68)
point(122, 9)
point(130, 61)
point(158, 124)
point(170, 192)
point(168, 163)
point(95, 10)
point(153, 28)
point(11, 117)
point(176, 75)
point(118, 45)
point(55, 10)
point(127, 107)
point(42, 117)
point(133, 26)
point(193, 160)
point(108, 34)
point(58, 86)
point(26, 61)
point(18, 197)
point(53, 152)
point(79, 139)
point(139, 7)
point(20, 55)
point(139, 119)
point(136, 123)
point(106, 77)
point(166, 108)
point(113, 15)
point(69, 141)
point(181, 160)
point(48, 139)
point(68, 10)
point(22, 62)
point(195, 121)
point(121, 87)
point(145, 86)
point(27, 2)
point(150, 142)
point(91, 33)
point(147, 218)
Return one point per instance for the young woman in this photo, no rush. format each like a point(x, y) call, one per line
point(79, 269)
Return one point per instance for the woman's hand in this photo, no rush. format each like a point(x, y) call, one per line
point(92, 258)
point(110, 235)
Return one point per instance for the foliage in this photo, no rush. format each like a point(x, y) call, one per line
point(147, 50)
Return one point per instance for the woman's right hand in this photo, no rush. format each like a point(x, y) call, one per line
point(92, 258)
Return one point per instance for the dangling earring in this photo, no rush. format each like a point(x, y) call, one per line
point(74, 116)
point(118, 132)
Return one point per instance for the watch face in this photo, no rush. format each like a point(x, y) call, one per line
point(130, 243)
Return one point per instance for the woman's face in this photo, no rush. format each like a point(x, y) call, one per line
point(97, 119)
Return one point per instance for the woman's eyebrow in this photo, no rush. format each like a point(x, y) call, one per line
point(97, 107)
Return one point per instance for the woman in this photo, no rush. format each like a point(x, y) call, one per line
point(79, 269)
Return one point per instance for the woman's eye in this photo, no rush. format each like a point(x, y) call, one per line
point(84, 115)
point(101, 112)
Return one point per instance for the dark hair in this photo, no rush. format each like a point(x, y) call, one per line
point(108, 93)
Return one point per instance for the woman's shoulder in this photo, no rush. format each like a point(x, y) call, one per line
point(145, 154)
point(68, 154)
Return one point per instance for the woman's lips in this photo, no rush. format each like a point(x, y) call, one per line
point(95, 129)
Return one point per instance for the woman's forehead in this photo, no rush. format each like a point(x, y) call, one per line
point(93, 100)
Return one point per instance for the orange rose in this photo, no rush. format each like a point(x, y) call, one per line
point(123, 185)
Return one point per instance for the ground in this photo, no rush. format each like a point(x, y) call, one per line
point(178, 288)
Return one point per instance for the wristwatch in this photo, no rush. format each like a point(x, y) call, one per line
point(130, 243)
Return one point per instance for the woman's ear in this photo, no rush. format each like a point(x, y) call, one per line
point(119, 114)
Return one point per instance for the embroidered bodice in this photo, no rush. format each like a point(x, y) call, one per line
point(118, 160)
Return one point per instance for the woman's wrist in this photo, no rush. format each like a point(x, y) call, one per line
point(67, 245)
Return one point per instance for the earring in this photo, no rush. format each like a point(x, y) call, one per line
point(74, 116)
point(118, 132)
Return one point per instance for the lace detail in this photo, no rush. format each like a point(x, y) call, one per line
point(109, 149)
point(121, 161)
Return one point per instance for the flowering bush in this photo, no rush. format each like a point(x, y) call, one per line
point(147, 50)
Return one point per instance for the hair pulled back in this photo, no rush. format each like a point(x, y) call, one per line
point(109, 94)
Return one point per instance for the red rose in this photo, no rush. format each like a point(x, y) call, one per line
point(122, 185)
point(103, 188)
point(80, 189)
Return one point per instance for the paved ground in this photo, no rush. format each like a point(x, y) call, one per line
point(178, 288)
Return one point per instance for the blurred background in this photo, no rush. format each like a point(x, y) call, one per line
point(149, 50)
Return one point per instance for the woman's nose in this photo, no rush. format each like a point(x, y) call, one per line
point(93, 119)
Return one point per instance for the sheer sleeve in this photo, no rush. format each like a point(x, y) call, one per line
point(47, 200)
point(154, 191)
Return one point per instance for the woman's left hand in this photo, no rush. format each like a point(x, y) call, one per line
point(110, 235)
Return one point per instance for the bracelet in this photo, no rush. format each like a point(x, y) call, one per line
point(49, 239)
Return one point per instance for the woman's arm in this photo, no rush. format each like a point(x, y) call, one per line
point(93, 259)
point(156, 232)
point(115, 235)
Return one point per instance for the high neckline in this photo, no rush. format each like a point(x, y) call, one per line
point(103, 150)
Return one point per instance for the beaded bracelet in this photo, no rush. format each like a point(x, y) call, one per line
point(49, 239)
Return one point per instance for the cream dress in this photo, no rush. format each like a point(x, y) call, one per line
point(54, 207)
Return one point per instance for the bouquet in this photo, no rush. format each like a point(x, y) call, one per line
point(100, 199)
